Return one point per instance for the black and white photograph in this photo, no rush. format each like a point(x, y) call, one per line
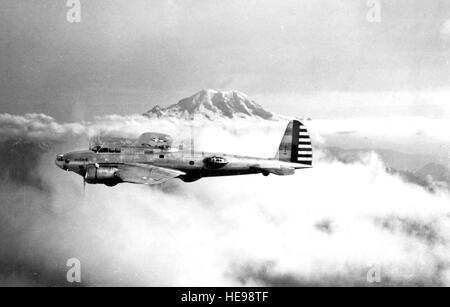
point(237, 144)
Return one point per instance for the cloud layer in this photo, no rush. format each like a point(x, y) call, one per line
point(324, 226)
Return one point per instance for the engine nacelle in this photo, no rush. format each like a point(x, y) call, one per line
point(106, 175)
point(187, 178)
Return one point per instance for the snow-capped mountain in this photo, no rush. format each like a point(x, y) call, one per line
point(213, 104)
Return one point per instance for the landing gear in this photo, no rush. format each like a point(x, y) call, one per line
point(265, 174)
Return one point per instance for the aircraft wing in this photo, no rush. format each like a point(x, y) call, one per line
point(146, 174)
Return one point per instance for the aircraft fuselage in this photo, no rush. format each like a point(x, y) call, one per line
point(196, 165)
point(151, 160)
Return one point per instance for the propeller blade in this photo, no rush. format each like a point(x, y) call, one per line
point(84, 183)
point(85, 173)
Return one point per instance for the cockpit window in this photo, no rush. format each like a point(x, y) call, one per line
point(106, 149)
point(96, 148)
point(59, 157)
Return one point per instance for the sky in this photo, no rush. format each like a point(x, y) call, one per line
point(321, 59)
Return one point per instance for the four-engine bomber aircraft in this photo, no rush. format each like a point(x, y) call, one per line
point(152, 160)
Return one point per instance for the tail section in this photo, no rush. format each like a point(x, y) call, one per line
point(295, 146)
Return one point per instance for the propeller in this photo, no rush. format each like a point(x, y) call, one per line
point(86, 168)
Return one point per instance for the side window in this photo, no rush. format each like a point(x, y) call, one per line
point(161, 156)
point(148, 152)
point(109, 150)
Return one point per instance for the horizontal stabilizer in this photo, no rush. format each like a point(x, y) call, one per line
point(275, 169)
point(155, 140)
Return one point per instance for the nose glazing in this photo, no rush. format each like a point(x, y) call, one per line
point(60, 161)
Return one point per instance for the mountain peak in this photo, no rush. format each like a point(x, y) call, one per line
point(213, 104)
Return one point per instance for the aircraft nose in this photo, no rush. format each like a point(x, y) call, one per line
point(59, 161)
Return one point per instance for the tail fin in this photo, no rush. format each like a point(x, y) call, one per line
point(295, 146)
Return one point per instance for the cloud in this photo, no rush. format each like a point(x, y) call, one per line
point(35, 126)
point(324, 226)
point(446, 28)
point(394, 129)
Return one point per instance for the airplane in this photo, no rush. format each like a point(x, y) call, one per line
point(152, 160)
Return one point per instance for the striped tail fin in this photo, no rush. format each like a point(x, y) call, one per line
point(295, 146)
